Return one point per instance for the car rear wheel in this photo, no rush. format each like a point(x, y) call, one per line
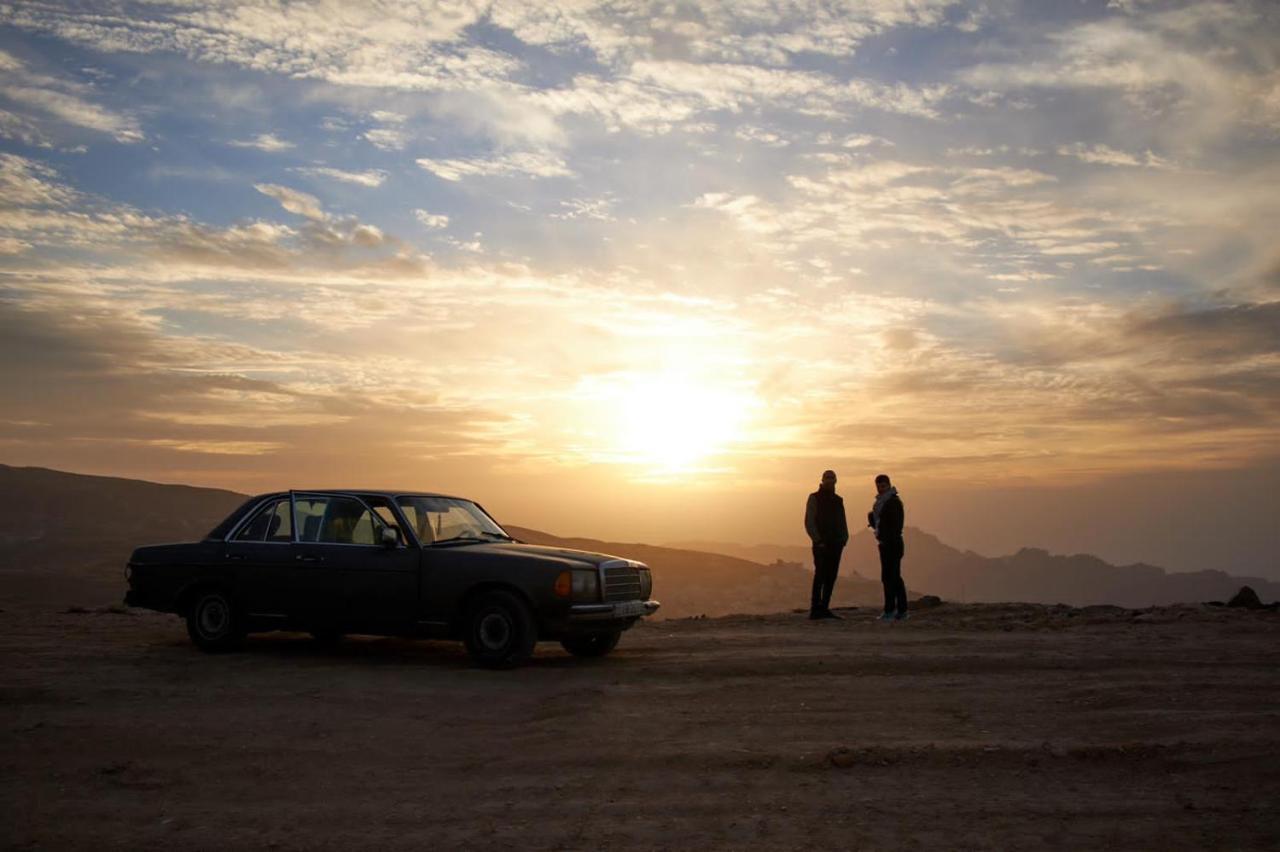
point(214, 622)
point(591, 644)
point(500, 631)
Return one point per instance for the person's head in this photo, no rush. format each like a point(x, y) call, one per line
point(829, 479)
point(882, 483)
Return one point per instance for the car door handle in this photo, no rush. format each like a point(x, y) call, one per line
point(301, 558)
point(238, 557)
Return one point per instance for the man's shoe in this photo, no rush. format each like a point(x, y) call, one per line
point(826, 613)
point(815, 615)
point(902, 616)
point(888, 616)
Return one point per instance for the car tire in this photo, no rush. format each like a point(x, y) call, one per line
point(500, 632)
point(591, 644)
point(214, 622)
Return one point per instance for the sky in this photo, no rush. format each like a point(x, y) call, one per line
point(642, 270)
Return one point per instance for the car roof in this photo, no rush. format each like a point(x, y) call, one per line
point(363, 492)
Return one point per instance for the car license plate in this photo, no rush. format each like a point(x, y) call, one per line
point(629, 609)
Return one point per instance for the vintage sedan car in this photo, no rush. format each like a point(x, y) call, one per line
point(389, 563)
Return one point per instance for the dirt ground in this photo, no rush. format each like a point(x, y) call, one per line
point(968, 727)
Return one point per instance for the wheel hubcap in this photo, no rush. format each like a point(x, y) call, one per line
point(214, 617)
point(495, 631)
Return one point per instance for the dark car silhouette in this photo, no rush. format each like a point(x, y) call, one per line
point(393, 564)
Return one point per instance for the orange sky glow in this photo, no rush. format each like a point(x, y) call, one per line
point(644, 271)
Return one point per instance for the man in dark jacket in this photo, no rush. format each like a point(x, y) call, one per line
point(887, 517)
point(824, 521)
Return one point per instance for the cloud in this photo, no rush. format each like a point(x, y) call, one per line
point(97, 378)
point(599, 209)
point(713, 31)
point(28, 183)
point(40, 215)
point(387, 138)
point(12, 245)
point(388, 132)
point(75, 111)
point(1107, 156)
point(293, 200)
point(378, 45)
point(431, 220)
point(734, 87)
point(1214, 332)
point(852, 140)
point(768, 138)
point(268, 142)
point(530, 163)
point(1165, 61)
point(20, 129)
point(371, 178)
point(658, 64)
point(56, 99)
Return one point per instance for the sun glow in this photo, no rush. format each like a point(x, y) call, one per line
point(673, 424)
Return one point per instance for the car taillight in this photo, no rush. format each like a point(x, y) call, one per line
point(564, 584)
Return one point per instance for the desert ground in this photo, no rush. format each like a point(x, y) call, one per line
point(980, 726)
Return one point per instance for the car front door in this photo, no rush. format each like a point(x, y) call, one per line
point(452, 533)
point(346, 575)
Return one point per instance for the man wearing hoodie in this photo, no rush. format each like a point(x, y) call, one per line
point(886, 517)
point(828, 529)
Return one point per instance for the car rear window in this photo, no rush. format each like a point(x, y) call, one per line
point(220, 531)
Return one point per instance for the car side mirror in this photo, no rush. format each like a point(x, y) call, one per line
point(390, 538)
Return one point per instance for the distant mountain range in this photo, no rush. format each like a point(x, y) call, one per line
point(65, 537)
point(1031, 575)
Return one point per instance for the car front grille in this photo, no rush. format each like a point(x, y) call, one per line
point(621, 583)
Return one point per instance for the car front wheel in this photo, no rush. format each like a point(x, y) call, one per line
point(214, 622)
point(591, 644)
point(500, 631)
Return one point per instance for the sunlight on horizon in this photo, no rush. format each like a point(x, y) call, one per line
point(670, 424)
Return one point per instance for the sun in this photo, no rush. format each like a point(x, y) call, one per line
point(673, 423)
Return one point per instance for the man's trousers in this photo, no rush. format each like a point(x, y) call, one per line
point(826, 566)
point(895, 591)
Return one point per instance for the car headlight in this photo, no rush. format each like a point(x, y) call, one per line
point(646, 583)
point(586, 586)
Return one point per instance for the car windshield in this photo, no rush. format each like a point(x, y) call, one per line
point(441, 519)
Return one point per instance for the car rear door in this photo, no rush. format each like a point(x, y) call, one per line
point(260, 558)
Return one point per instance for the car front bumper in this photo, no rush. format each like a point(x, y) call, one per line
point(621, 611)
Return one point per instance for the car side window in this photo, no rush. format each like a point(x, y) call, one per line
point(256, 529)
point(382, 508)
point(336, 520)
point(280, 525)
point(308, 515)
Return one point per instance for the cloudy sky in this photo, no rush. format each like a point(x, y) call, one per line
point(644, 269)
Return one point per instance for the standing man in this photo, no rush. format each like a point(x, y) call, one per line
point(886, 518)
point(825, 522)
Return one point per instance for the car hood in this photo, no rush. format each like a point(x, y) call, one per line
point(541, 552)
